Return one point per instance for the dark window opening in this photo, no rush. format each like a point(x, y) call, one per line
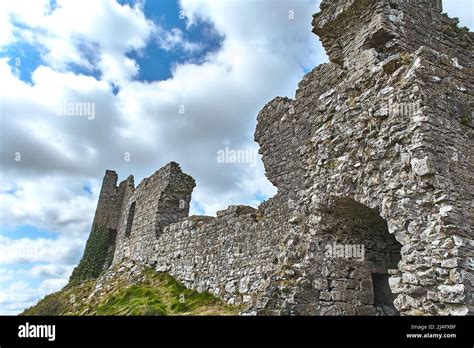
point(355, 225)
point(112, 235)
point(383, 296)
point(131, 214)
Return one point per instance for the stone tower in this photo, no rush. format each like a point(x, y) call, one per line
point(100, 246)
point(128, 220)
point(157, 202)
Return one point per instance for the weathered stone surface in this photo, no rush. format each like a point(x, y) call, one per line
point(375, 151)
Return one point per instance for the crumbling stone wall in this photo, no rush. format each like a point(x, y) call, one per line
point(158, 201)
point(377, 138)
point(133, 218)
point(373, 152)
point(228, 255)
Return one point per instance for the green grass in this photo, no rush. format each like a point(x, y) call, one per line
point(60, 302)
point(135, 300)
point(156, 294)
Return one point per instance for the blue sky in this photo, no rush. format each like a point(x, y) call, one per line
point(26, 231)
point(167, 14)
point(139, 63)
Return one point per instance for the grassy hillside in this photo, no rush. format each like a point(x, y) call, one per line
point(131, 290)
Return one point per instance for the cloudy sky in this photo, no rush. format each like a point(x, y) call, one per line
point(161, 80)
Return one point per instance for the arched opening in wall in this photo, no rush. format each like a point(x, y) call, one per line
point(131, 215)
point(360, 237)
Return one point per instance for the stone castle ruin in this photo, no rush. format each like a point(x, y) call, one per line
point(374, 167)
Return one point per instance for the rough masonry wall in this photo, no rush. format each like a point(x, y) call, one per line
point(158, 201)
point(228, 255)
point(376, 138)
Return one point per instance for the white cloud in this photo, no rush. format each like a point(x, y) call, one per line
point(16, 297)
point(174, 39)
point(6, 275)
point(25, 11)
point(20, 295)
point(277, 27)
point(62, 251)
point(51, 271)
point(50, 203)
point(104, 29)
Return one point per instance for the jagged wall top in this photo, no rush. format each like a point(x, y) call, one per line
point(348, 27)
